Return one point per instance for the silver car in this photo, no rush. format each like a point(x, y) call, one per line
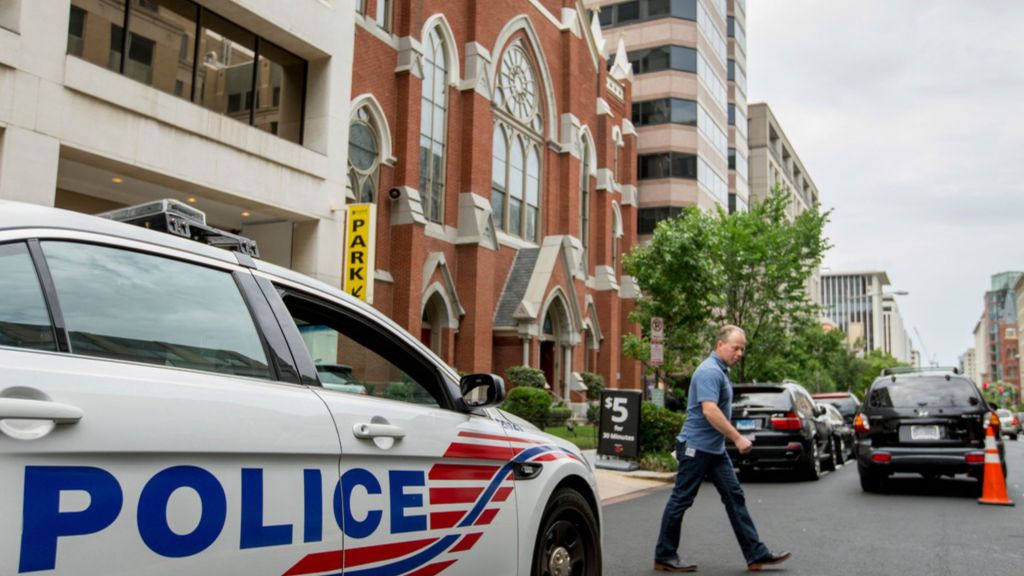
point(1008, 423)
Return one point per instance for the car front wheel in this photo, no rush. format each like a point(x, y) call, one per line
point(568, 543)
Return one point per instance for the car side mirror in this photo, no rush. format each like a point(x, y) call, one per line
point(819, 410)
point(482, 390)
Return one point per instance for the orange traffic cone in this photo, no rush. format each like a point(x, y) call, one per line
point(993, 491)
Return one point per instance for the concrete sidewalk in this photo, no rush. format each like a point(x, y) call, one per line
point(615, 486)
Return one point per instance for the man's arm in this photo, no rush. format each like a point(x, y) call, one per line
point(719, 422)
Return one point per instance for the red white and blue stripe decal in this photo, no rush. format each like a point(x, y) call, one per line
point(463, 498)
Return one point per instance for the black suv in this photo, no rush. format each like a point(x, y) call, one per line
point(785, 425)
point(930, 422)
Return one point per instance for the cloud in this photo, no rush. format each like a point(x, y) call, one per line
point(905, 114)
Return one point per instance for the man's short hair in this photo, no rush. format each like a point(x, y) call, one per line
point(726, 332)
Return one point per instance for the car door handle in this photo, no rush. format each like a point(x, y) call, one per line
point(25, 409)
point(367, 430)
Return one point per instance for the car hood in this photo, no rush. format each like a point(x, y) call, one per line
point(520, 425)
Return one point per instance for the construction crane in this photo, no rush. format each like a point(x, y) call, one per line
point(931, 359)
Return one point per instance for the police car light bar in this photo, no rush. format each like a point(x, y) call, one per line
point(180, 219)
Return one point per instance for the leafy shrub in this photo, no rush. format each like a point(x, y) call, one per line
point(594, 384)
point(558, 415)
point(658, 428)
point(659, 462)
point(530, 404)
point(526, 376)
point(594, 413)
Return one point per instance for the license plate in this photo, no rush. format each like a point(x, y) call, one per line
point(924, 432)
point(746, 425)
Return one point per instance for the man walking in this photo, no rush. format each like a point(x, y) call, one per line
point(700, 449)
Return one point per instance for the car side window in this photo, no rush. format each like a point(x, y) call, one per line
point(354, 354)
point(24, 319)
point(126, 305)
point(804, 403)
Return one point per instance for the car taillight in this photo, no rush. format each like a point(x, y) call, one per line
point(881, 457)
point(788, 421)
point(993, 421)
point(860, 424)
point(975, 458)
point(1016, 422)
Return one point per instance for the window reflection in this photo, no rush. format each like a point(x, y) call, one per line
point(216, 72)
point(279, 90)
point(92, 30)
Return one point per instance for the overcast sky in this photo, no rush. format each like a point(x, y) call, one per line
point(909, 117)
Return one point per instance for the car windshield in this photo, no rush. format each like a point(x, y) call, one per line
point(919, 392)
point(847, 406)
point(762, 399)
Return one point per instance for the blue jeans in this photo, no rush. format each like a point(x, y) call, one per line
point(692, 471)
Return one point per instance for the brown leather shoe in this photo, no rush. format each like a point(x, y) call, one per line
point(768, 560)
point(676, 565)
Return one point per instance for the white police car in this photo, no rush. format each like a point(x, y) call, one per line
point(161, 412)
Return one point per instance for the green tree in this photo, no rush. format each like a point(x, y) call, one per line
point(680, 277)
point(748, 268)
point(870, 367)
point(768, 258)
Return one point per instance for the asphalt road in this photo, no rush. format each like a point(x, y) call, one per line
point(833, 528)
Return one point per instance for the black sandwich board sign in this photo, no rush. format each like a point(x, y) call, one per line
point(619, 433)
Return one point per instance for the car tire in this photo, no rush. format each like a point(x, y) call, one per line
point(833, 459)
point(812, 468)
point(871, 482)
point(568, 541)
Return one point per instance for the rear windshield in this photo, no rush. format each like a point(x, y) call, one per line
point(761, 399)
point(847, 406)
point(919, 392)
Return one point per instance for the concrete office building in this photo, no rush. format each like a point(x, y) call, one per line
point(240, 109)
point(968, 365)
point(857, 304)
point(980, 351)
point(774, 162)
point(689, 102)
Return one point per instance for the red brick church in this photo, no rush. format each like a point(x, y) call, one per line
point(495, 140)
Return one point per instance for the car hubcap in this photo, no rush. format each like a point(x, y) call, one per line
point(564, 550)
point(559, 565)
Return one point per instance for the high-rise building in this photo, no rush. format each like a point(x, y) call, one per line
point(238, 108)
point(999, 327)
point(689, 102)
point(494, 141)
point(870, 318)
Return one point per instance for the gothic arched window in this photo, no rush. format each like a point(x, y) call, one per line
point(516, 155)
point(363, 156)
point(433, 116)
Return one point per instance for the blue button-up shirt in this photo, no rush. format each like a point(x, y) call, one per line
point(710, 383)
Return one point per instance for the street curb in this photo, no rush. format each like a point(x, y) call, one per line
point(632, 495)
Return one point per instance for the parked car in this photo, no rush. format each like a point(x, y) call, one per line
point(846, 402)
point(784, 423)
point(1008, 423)
point(926, 421)
point(843, 437)
point(158, 394)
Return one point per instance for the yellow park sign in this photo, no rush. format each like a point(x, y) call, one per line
point(360, 238)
